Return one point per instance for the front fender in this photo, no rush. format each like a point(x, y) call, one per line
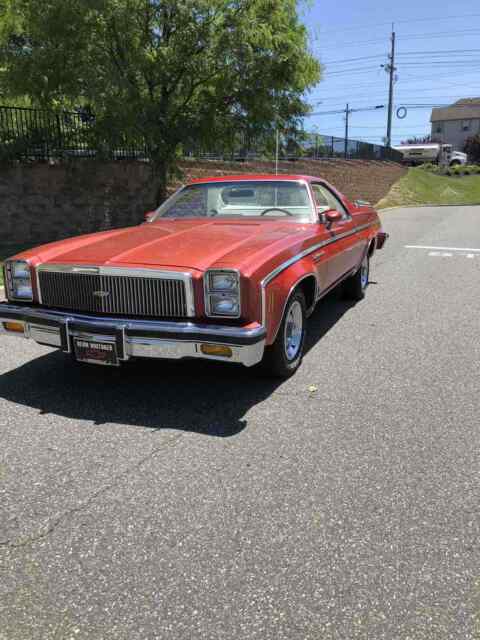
point(276, 292)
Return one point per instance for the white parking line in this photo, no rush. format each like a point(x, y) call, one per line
point(415, 246)
point(441, 254)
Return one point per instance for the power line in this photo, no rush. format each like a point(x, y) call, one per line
point(430, 19)
point(354, 70)
point(442, 62)
point(379, 55)
point(368, 96)
point(445, 64)
point(416, 36)
point(442, 52)
point(327, 113)
point(380, 126)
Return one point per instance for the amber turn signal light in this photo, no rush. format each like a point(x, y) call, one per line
point(216, 350)
point(17, 327)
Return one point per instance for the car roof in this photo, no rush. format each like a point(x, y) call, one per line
point(251, 176)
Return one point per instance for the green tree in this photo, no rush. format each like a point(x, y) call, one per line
point(472, 148)
point(172, 73)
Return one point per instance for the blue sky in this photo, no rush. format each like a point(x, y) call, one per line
point(438, 47)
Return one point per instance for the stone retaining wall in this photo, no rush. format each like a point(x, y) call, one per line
point(40, 203)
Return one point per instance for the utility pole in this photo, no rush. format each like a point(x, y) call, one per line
point(347, 113)
point(390, 68)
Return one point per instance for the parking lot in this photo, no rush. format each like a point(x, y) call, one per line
point(200, 501)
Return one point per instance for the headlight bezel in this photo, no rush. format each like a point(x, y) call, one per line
point(11, 280)
point(212, 292)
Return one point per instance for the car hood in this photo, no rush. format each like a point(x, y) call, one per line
point(193, 244)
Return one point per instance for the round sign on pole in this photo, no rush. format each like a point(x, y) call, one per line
point(401, 113)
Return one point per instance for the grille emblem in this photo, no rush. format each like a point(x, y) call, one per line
point(101, 294)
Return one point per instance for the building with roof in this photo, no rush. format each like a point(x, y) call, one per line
point(456, 123)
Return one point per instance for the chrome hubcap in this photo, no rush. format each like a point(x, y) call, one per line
point(293, 331)
point(364, 273)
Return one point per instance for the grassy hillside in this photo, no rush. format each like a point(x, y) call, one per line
point(422, 187)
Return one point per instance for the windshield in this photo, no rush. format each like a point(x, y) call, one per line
point(266, 198)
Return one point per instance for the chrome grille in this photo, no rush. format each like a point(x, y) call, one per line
point(114, 294)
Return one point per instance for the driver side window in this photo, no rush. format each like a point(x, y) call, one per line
point(324, 200)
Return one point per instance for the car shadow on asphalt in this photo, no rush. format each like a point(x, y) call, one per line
point(204, 397)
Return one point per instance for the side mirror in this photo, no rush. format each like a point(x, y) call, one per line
point(149, 215)
point(361, 203)
point(331, 217)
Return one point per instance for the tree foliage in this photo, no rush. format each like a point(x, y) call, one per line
point(418, 140)
point(472, 148)
point(169, 72)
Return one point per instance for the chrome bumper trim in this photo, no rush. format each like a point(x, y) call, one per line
point(136, 338)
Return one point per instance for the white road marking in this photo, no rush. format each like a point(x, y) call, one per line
point(440, 254)
point(470, 255)
point(415, 246)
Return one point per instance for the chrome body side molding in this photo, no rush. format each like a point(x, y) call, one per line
point(299, 256)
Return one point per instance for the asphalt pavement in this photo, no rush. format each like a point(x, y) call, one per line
point(199, 501)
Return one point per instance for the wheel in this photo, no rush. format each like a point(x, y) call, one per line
point(455, 163)
point(355, 286)
point(285, 355)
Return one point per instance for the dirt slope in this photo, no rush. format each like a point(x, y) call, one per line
point(365, 179)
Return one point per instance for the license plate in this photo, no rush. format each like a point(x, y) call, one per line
point(104, 353)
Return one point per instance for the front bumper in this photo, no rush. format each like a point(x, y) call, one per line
point(136, 338)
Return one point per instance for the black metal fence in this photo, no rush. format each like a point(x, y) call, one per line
point(301, 146)
point(41, 134)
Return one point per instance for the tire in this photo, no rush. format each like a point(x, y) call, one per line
point(355, 286)
point(284, 356)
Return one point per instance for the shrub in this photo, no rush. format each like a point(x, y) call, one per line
point(462, 170)
point(430, 166)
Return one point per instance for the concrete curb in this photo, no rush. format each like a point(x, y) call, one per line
point(426, 206)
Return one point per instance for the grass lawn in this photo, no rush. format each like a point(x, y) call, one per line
point(423, 187)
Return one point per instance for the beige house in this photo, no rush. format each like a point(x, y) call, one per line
point(454, 124)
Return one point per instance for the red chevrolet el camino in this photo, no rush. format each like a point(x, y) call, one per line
point(226, 269)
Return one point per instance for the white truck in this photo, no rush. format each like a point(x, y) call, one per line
point(435, 152)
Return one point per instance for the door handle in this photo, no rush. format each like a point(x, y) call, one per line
point(318, 255)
